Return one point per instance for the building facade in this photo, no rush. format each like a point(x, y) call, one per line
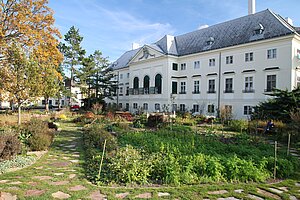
point(232, 66)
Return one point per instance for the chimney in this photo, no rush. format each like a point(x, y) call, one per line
point(251, 7)
point(135, 46)
point(289, 20)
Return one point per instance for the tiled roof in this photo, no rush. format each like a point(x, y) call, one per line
point(234, 32)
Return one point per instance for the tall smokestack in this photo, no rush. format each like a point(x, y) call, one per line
point(251, 7)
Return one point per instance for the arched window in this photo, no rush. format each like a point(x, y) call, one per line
point(135, 83)
point(146, 84)
point(158, 83)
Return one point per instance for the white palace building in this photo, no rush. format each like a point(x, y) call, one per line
point(230, 65)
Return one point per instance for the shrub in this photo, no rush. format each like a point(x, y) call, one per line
point(62, 117)
point(10, 145)
point(129, 166)
point(41, 136)
point(238, 125)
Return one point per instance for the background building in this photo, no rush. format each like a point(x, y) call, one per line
point(231, 65)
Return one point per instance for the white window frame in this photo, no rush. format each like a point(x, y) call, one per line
point(249, 57)
point(229, 60)
point(183, 87)
point(248, 110)
point(183, 66)
point(212, 62)
point(196, 87)
point(248, 84)
point(197, 64)
point(272, 53)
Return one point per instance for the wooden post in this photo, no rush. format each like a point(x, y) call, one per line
point(102, 159)
point(289, 142)
point(275, 159)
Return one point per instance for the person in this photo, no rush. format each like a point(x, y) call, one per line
point(269, 126)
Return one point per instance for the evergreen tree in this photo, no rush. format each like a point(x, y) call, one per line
point(280, 106)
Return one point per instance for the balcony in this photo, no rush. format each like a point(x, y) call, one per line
point(143, 91)
point(196, 92)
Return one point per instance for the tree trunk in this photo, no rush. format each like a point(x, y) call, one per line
point(19, 114)
point(58, 103)
point(47, 104)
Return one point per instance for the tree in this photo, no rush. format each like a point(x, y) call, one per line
point(97, 75)
point(72, 50)
point(20, 76)
point(280, 106)
point(29, 23)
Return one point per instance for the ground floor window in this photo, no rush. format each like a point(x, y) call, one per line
point(174, 107)
point(135, 105)
point(157, 107)
point(182, 107)
point(248, 110)
point(120, 105)
point(127, 107)
point(195, 108)
point(145, 106)
point(211, 108)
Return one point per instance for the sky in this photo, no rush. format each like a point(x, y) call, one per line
point(111, 26)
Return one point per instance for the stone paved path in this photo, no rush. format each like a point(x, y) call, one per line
point(59, 175)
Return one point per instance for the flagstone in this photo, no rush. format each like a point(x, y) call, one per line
point(276, 190)
point(7, 196)
point(239, 191)
point(122, 195)
point(4, 181)
point(42, 177)
point(60, 183)
point(59, 174)
point(293, 198)
point(268, 194)
point(15, 183)
point(30, 193)
point(60, 195)
point(96, 195)
point(252, 196)
point(228, 198)
point(66, 158)
point(72, 176)
point(41, 167)
point(218, 192)
point(32, 183)
point(60, 164)
point(285, 189)
point(163, 194)
point(77, 188)
point(146, 195)
point(297, 184)
point(74, 161)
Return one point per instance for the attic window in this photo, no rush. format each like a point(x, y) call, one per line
point(259, 29)
point(210, 41)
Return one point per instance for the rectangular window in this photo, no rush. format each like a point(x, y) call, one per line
point(271, 82)
point(174, 87)
point(121, 90)
point(56, 102)
point(211, 108)
point(62, 102)
point(127, 91)
point(228, 85)
point(248, 85)
point(127, 106)
point(120, 106)
point(43, 102)
point(196, 87)
point(212, 62)
point(195, 108)
point(157, 107)
point(135, 105)
point(271, 53)
point(121, 76)
point(298, 81)
point(197, 65)
point(174, 107)
point(182, 107)
point(229, 59)
point(248, 110)
point(175, 66)
point(127, 75)
point(183, 66)
point(248, 57)
point(145, 106)
point(182, 87)
point(211, 86)
point(50, 102)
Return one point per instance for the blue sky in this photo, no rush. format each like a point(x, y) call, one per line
point(111, 26)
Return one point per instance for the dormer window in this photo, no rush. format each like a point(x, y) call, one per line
point(210, 41)
point(259, 29)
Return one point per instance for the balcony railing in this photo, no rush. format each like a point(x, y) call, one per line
point(143, 91)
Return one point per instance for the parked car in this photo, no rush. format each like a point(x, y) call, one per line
point(75, 107)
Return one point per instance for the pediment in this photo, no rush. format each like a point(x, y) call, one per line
point(146, 53)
